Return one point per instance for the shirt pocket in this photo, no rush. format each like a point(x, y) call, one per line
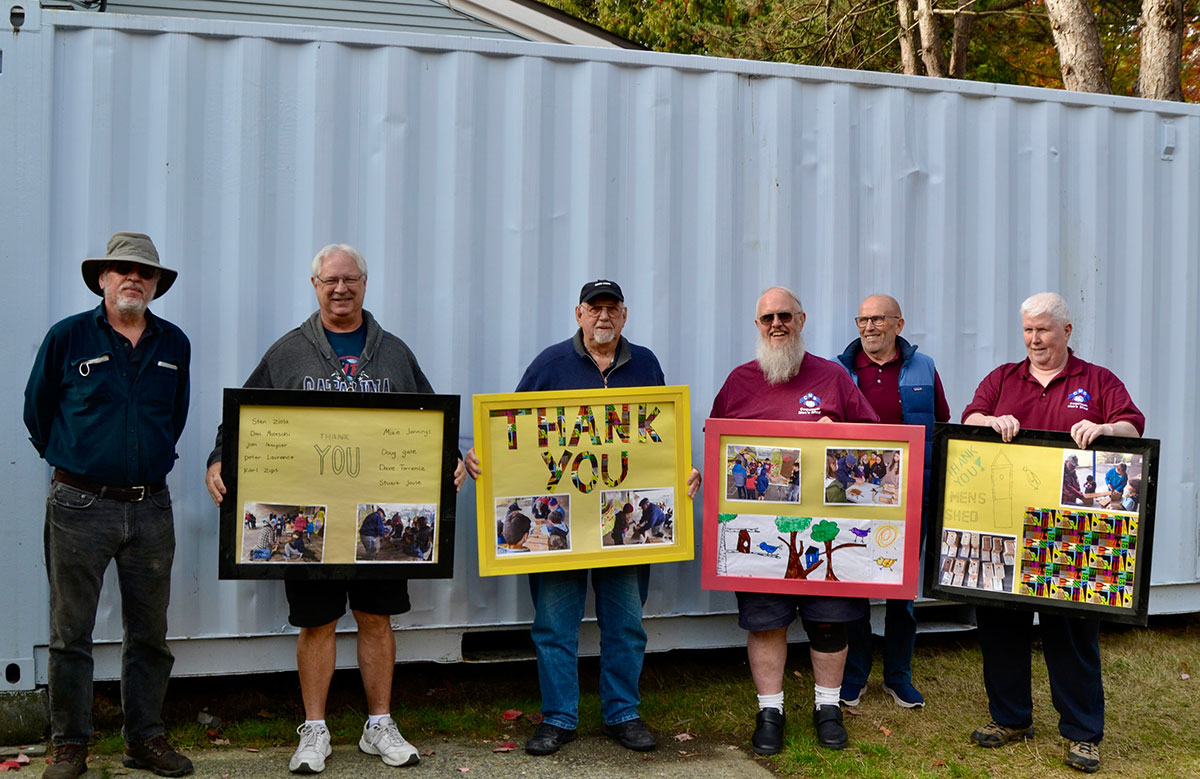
point(159, 381)
point(89, 380)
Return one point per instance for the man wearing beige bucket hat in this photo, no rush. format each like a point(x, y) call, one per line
point(105, 404)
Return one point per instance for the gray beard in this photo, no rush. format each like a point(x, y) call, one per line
point(780, 363)
point(603, 336)
point(126, 306)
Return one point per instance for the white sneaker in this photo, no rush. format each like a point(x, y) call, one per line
point(385, 740)
point(314, 748)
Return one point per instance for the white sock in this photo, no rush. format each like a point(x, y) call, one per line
point(315, 722)
point(375, 719)
point(771, 701)
point(827, 696)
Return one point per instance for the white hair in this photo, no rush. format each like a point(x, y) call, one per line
point(335, 248)
point(1047, 303)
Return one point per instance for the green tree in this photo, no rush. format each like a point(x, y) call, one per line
point(794, 525)
point(824, 532)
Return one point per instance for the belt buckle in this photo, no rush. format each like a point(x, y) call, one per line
point(141, 493)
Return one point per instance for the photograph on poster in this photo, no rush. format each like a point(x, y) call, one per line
point(1079, 556)
point(780, 547)
point(633, 517)
point(762, 473)
point(1110, 481)
point(983, 561)
point(533, 523)
point(867, 477)
point(395, 533)
point(282, 533)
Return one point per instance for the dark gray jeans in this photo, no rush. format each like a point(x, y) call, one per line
point(83, 534)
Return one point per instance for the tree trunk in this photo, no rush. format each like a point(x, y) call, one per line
point(829, 577)
point(1162, 49)
point(1080, 56)
point(795, 568)
point(931, 42)
point(908, 49)
point(962, 36)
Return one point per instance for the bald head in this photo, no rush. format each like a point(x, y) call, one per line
point(879, 323)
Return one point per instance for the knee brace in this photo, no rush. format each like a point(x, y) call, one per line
point(828, 637)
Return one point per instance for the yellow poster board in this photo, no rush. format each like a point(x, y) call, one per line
point(582, 479)
point(318, 487)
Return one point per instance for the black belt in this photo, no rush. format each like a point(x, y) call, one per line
point(127, 494)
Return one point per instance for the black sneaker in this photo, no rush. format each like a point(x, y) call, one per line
point(1083, 756)
point(768, 731)
point(831, 734)
point(632, 734)
point(158, 756)
point(548, 739)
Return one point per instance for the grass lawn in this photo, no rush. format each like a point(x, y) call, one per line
point(1151, 728)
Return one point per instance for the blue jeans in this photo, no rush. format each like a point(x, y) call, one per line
point(558, 600)
point(899, 637)
point(83, 534)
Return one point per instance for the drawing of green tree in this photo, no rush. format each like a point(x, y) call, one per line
point(722, 552)
point(794, 525)
point(824, 532)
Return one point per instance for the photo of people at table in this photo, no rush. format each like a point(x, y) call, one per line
point(533, 523)
point(868, 477)
point(396, 533)
point(631, 517)
point(282, 533)
point(1111, 481)
point(762, 473)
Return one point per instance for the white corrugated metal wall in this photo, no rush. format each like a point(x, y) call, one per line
point(486, 180)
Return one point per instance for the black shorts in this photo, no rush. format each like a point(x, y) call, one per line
point(315, 603)
point(759, 611)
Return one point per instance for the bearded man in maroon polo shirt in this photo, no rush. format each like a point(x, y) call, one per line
point(785, 382)
point(1051, 389)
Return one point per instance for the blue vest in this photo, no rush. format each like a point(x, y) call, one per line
point(917, 391)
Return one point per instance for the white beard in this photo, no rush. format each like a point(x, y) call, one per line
point(603, 336)
point(780, 363)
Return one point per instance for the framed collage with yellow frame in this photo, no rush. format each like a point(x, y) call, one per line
point(337, 485)
point(582, 479)
point(812, 508)
point(1038, 523)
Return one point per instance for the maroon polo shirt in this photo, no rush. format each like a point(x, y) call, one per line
point(880, 385)
point(1081, 391)
point(820, 389)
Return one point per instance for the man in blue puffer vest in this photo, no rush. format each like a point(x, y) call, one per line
point(904, 388)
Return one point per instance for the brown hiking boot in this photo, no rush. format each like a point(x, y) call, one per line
point(994, 734)
point(1083, 756)
point(158, 756)
point(70, 760)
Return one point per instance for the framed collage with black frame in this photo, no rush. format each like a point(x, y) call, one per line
point(338, 485)
point(1038, 523)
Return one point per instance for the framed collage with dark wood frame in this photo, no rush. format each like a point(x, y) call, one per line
point(338, 485)
point(1038, 523)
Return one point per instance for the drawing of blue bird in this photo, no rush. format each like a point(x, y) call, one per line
point(860, 533)
point(763, 545)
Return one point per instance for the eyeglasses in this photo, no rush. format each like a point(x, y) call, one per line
point(333, 281)
point(876, 320)
point(783, 316)
point(124, 268)
point(613, 311)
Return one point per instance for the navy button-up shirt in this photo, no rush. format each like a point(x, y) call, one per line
point(99, 407)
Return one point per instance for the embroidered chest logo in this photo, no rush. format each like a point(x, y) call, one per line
point(1079, 399)
point(349, 365)
point(810, 405)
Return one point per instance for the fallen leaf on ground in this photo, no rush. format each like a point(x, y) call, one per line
point(687, 754)
point(251, 749)
point(511, 714)
point(507, 746)
point(220, 742)
point(265, 714)
point(647, 758)
point(23, 759)
point(939, 763)
point(885, 730)
point(430, 753)
point(1183, 672)
point(9, 765)
point(851, 710)
point(535, 718)
point(463, 769)
point(797, 673)
point(685, 736)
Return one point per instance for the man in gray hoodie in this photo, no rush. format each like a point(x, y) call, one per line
point(341, 348)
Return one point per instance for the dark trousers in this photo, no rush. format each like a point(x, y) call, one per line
point(83, 534)
point(1072, 649)
point(899, 638)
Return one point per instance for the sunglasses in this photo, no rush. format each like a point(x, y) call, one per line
point(124, 268)
point(782, 316)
